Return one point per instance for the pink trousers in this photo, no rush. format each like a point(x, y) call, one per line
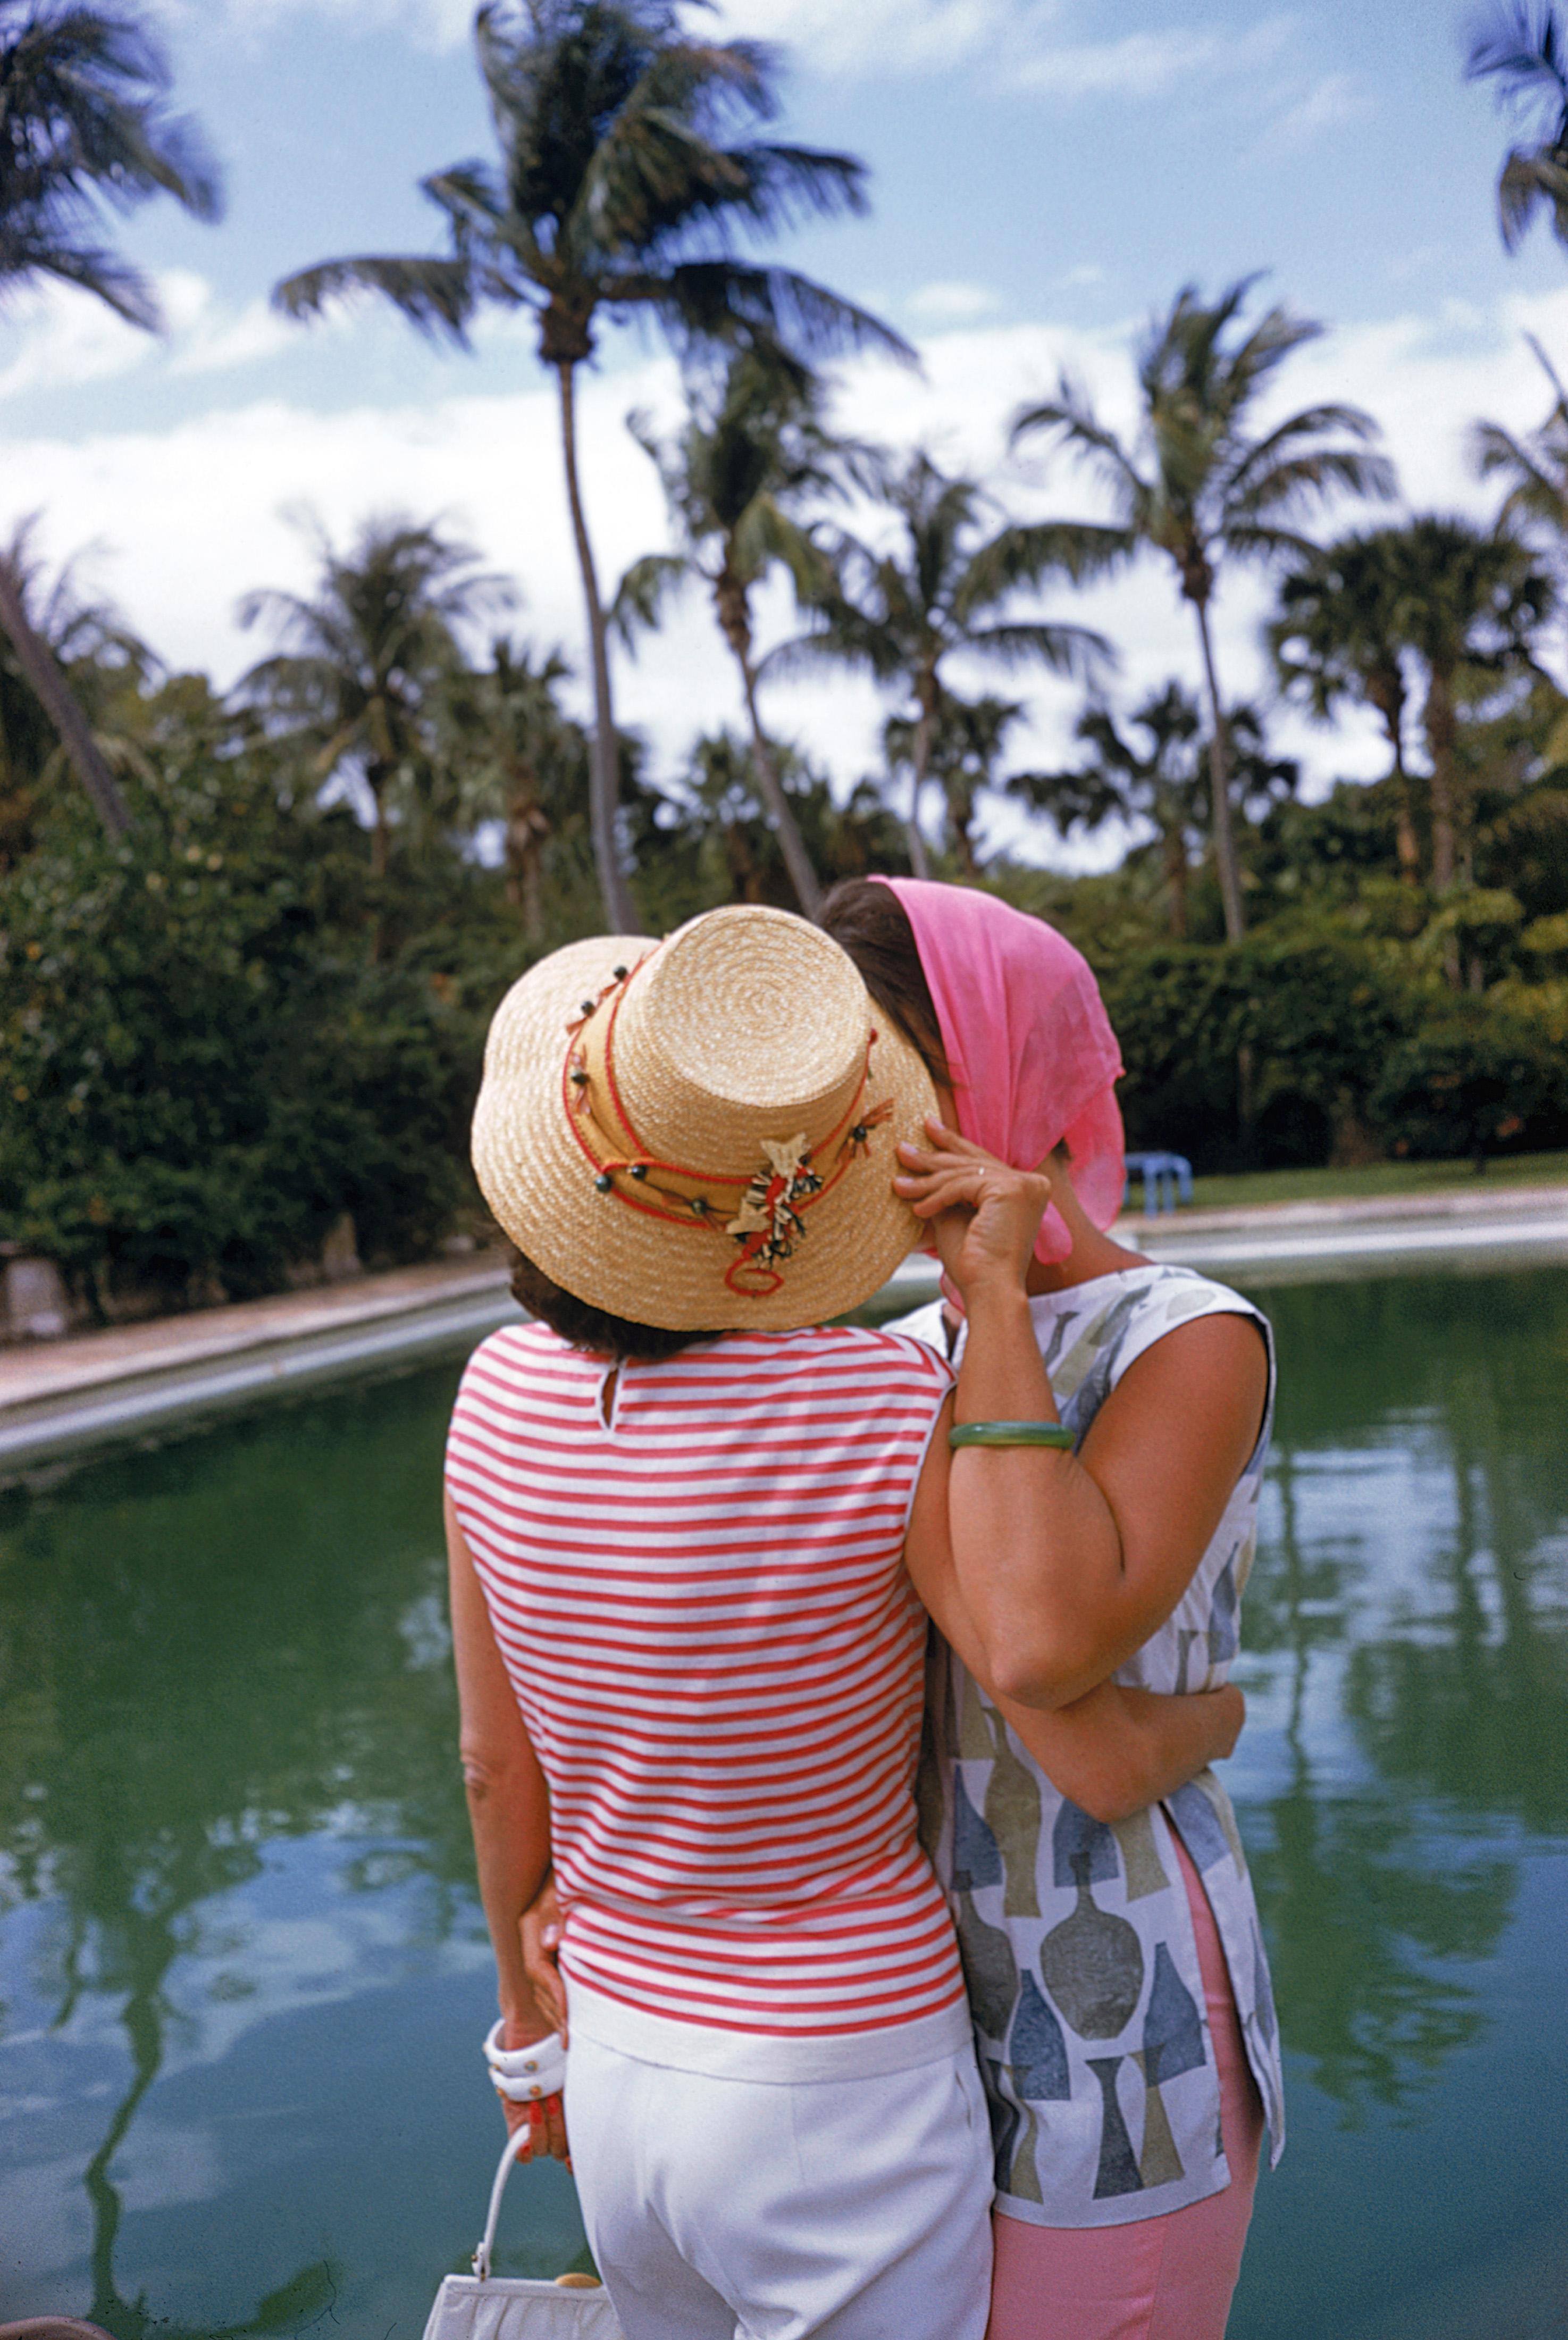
point(1165, 2278)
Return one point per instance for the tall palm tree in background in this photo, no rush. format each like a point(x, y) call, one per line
point(1340, 633)
point(1523, 49)
point(1158, 778)
point(365, 657)
point(968, 740)
point(736, 480)
point(84, 126)
point(1533, 469)
point(102, 662)
point(620, 191)
point(1471, 600)
point(525, 763)
point(1202, 485)
point(945, 588)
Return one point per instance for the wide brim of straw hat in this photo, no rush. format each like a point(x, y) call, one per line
point(533, 1173)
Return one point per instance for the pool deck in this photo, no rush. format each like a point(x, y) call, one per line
point(136, 1384)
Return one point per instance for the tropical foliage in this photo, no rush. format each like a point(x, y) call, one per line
point(246, 968)
point(627, 162)
point(947, 587)
point(1206, 483)
point(85, 126)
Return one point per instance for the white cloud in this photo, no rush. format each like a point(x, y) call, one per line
point(882, 36)
point(62, 337)
point(953, 304)
point(1339, 98)
point(1146, 65)
point(430, 23)
point(192, 516)
point(1020, 42)
point(56, 336)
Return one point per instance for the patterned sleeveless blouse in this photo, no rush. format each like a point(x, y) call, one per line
point(1076, 1937)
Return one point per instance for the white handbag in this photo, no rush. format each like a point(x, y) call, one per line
point(486, 2307)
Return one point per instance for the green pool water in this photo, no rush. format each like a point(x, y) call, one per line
point(244, 1975)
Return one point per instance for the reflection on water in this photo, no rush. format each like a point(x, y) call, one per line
point(1404, 1791)
point(243, 1972)
point(242, 1967)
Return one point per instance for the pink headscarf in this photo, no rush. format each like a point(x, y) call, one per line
point(1029, 1042)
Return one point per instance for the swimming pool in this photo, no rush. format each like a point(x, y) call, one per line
point(244, 1973)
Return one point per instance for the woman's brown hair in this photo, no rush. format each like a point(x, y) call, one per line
point(593, 1328)
point(869, 922)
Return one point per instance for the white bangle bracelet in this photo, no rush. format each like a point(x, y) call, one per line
point(524, 2075)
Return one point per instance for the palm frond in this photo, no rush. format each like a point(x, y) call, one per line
point(1026, 554)
point(95, 269)
point(1527, 181)
point(1070, 415)
point(1522, 48)
point(642, 592)
point(1295, 482)
point(1066, 649)
point(731, 301)
point(436, 296)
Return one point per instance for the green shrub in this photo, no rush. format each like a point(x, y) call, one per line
point(1475, 1078)
point(1257, 1057)
point(204, 1058)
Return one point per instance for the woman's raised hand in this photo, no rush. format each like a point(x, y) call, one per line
point(985, 1215)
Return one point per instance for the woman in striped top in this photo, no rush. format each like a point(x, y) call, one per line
point(687, 1576)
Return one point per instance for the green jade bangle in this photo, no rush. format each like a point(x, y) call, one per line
point(1011, 1433)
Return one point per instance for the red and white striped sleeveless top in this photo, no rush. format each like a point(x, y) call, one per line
point(704, 1610)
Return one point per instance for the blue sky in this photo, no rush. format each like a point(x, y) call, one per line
point(1044, 173)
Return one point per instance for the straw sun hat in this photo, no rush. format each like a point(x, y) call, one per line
point(699, 1134)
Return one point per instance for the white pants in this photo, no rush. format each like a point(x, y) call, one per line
point(725, 2209)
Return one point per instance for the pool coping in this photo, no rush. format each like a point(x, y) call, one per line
point(138, 1383)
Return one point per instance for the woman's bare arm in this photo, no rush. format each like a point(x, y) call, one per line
point(1116, 1751)
point(508, 1803)
point(1108, 1539)
point(1112, 1752)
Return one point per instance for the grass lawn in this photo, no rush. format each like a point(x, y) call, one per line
point(1375, 1178)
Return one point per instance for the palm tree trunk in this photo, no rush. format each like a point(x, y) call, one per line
point(792, 844)
point(377, 776)
point(1174, 849)
point(603, 749)
point(1441, 729)
point(54, 695)
point(1404, 840)
point(1440, 735)
point(960, 819)
point(919, 859)
point(1388, 698)
point(1224, 862)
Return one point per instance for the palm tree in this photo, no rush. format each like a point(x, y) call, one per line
point(1523, 49)
point(1535, 467)
point(525, 762)
point(1158, 779)
point(735, 480)
point(620, 191)
point(968, 739)
point(1200, 487)
point(946, 589)
point(102, 664)
point(1470, 600)
point(365, 656)
point(83, 124)
point(1340, 634)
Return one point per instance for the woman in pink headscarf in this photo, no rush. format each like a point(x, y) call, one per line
point(1117, 1973)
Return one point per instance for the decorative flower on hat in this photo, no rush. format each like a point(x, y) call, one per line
point(767, 1226)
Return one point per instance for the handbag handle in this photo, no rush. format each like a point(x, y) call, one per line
point(515, 2144)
